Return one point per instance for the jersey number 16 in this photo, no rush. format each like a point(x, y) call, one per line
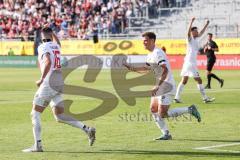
point(57, 63)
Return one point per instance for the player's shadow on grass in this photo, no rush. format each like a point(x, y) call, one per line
point(210, 140)
point(150, 152)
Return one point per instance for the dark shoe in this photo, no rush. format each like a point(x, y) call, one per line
point(193, 111)
point(177, 100)
point(207, 87)
point(221, 82)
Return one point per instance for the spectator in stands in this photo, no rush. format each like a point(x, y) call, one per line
point(104, 27)
point(82, 35)
point(110, 6)
point(129, 11)
point(72, 32)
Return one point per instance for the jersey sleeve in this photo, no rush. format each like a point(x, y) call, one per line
point(160, 58)
point(42, 51)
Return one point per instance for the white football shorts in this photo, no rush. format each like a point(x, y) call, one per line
point(189, 70)
point(165, 99)
point(45, 95)
point(165, 93)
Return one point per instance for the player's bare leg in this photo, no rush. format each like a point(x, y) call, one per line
point(59, 115)
point(36, 122)
point(206, 99)
point(180, 87)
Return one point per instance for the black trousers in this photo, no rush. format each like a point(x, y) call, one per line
point(210, 63)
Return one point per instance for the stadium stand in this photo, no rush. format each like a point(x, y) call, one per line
point(223, 14)
point(80, 19)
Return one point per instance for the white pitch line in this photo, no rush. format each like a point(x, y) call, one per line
point(218, 146)
point(213, 148)
point(223, 150)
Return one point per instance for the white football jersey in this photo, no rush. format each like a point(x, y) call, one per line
point(156, 58)
point(53, 49)
point(192, 51)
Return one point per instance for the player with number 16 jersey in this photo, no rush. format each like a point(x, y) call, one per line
point(53, 49)
point(50, 91)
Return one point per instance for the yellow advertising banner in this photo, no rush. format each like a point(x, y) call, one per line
point(111, 47)
point(16, 48)
point(228, 46)
point(28, 48)
point(106, 47)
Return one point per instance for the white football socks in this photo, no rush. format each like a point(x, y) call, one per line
point(177, 111)
point(71, 121)
point(202, 91)
point(36, 122)
point(160, 123)
point(179, 90)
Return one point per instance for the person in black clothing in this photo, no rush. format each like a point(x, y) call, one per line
point(209, 50)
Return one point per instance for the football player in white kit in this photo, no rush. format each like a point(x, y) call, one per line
point(190, 63)
point(49, 91)
point(164, 89)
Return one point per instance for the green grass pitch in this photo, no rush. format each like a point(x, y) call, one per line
point(125, 133)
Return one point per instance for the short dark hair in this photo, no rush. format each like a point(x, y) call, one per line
point(47, 30)
point(210, 34)
point(150, 35)
point(193, 28)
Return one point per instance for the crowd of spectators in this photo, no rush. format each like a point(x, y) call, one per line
point(74, 18)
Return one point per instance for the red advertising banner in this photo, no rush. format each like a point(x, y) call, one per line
point(223, 62)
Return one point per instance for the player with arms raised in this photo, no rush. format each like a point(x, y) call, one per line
point(50, 88)
point(164, 89)
point(190, 63)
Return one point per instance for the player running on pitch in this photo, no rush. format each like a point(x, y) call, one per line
point(161, 96)
point(190, 63)
point(49, 61)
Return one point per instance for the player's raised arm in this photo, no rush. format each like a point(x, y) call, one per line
point(190, 27)
point(204, 28)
